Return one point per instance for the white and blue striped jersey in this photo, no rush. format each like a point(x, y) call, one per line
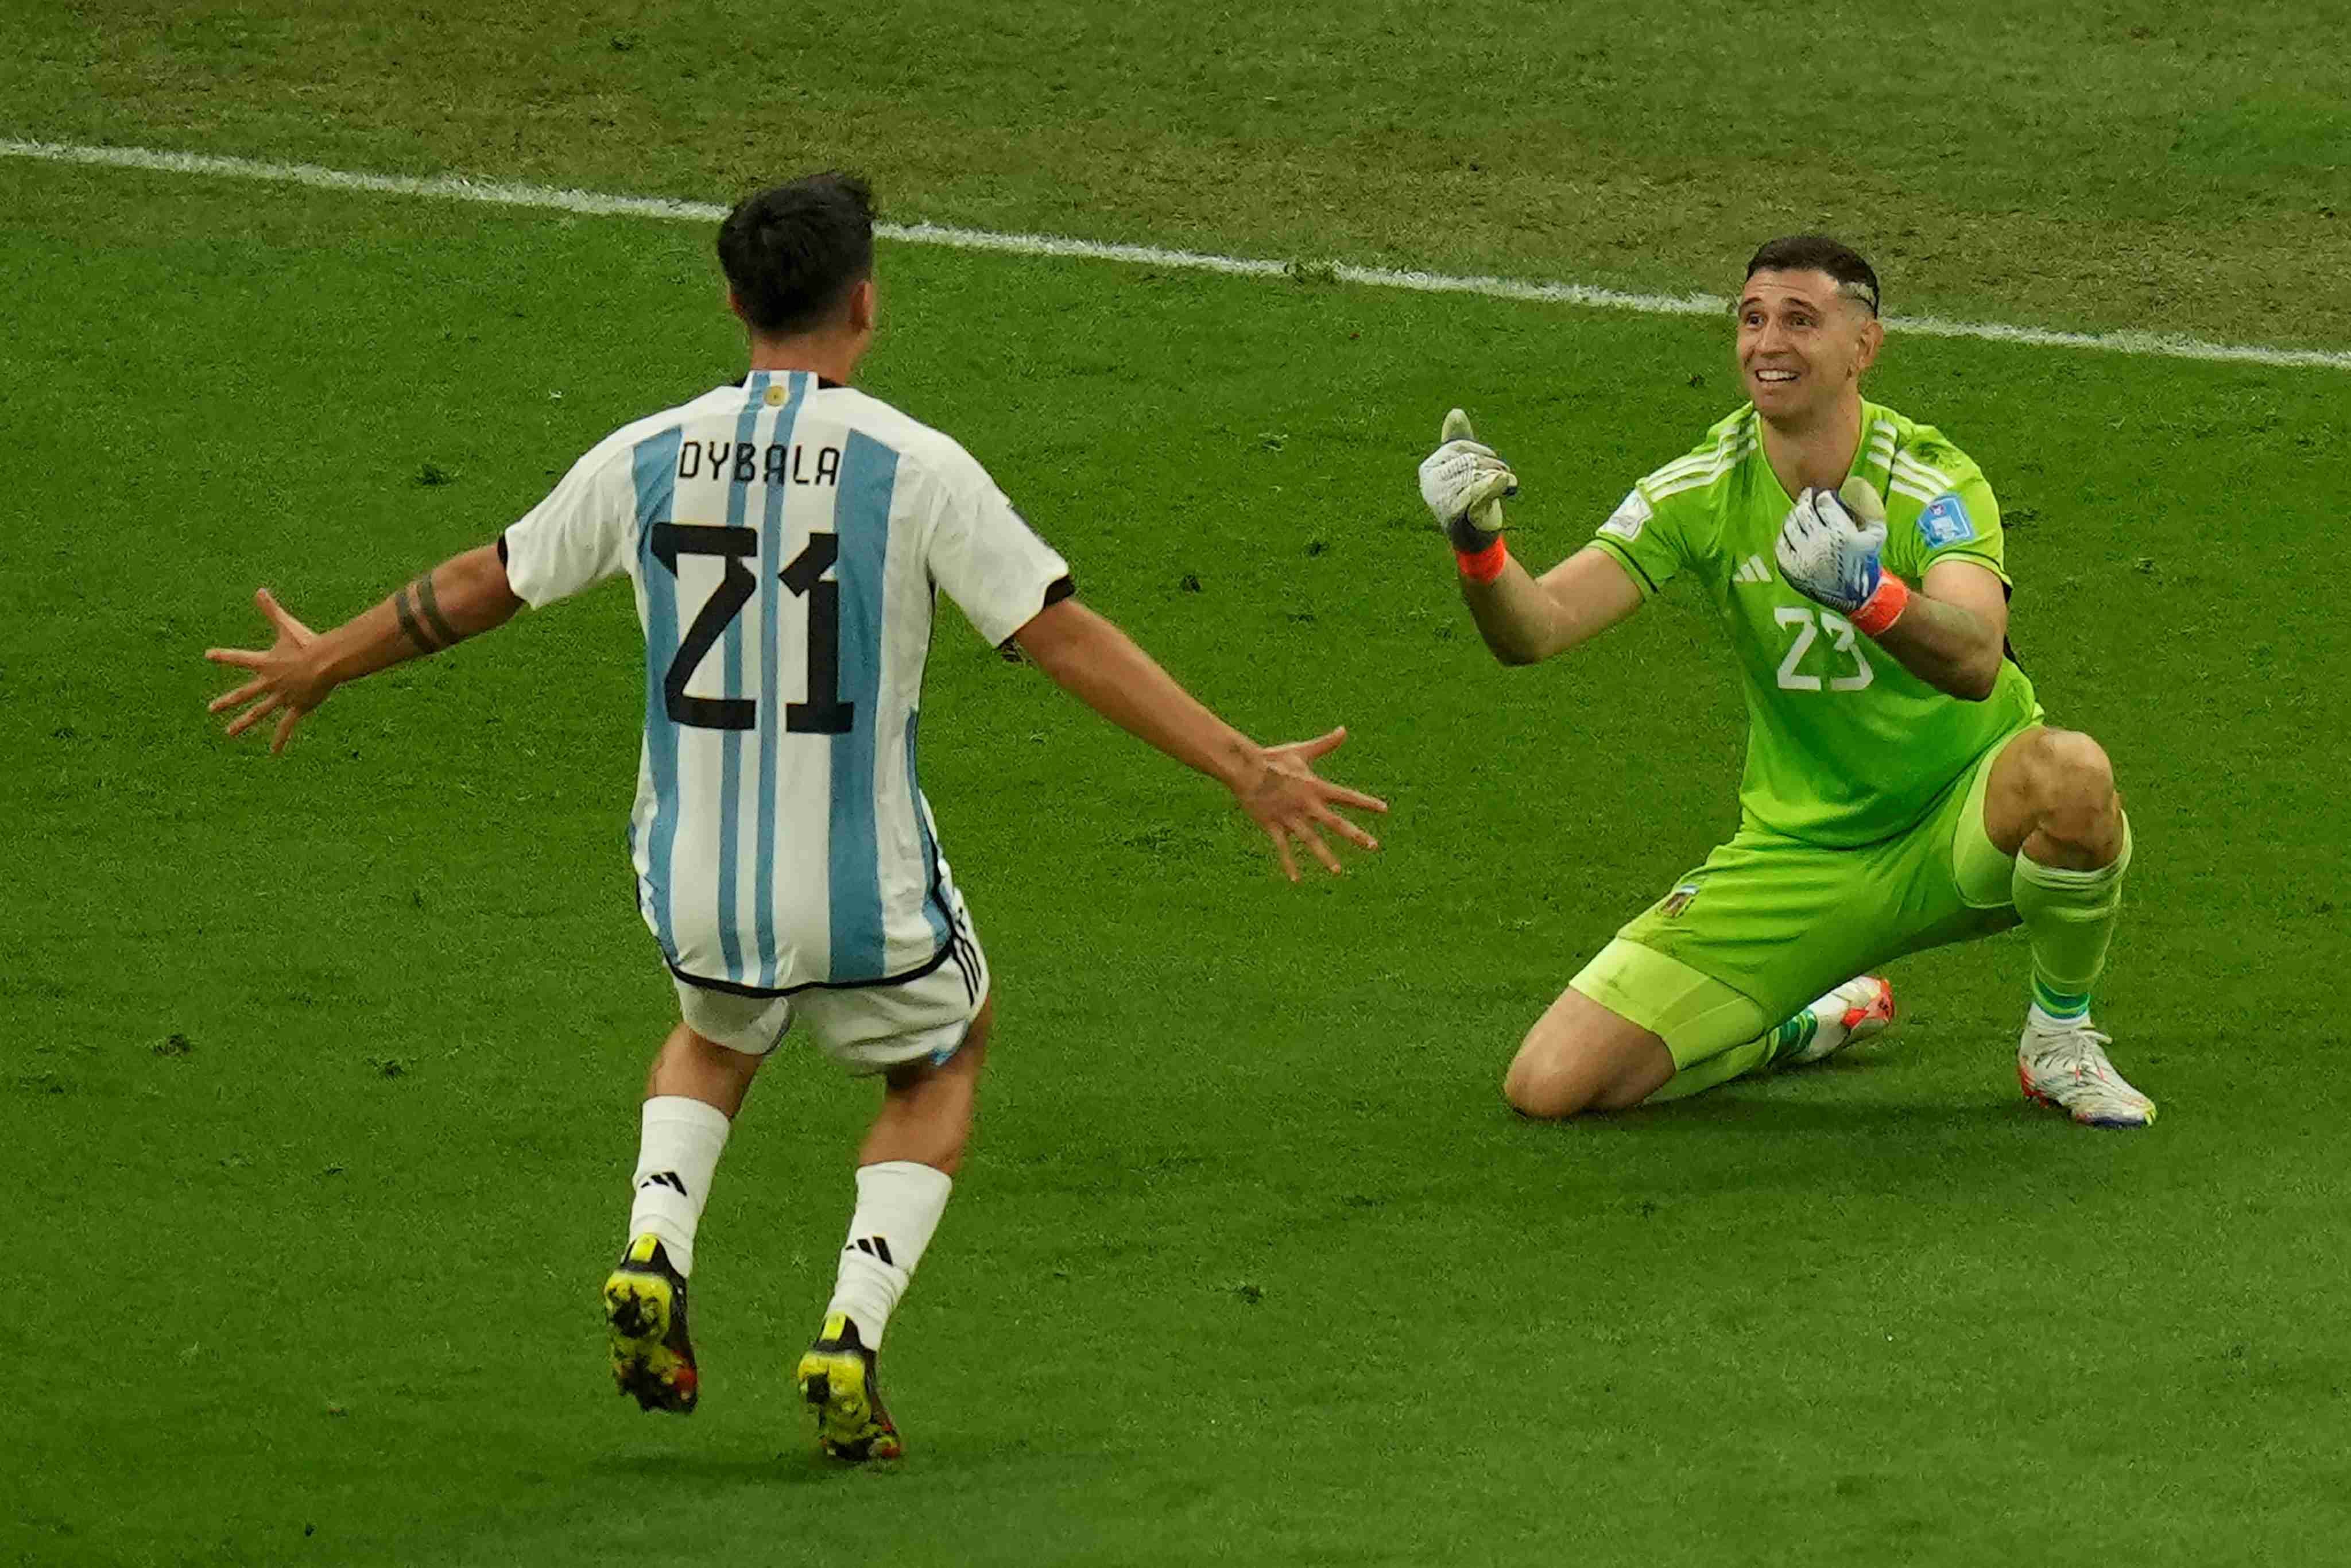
point(785, 538)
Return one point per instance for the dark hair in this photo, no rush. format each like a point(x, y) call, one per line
point(792, 253)
point(1818, 253)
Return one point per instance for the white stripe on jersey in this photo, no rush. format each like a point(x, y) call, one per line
point(1681, 466)
point(784, 539)
point(1697, 460)
point(1723, 463)
point(1908, 467)
point(810, 852)
point(1880, 444)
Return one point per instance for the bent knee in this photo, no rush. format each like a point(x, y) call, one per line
point(2070, 771)
point(1545, 1084)
point(1581, 1056)
point(1551, 1079)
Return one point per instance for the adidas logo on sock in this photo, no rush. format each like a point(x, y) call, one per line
point(873, 1246)
point(662, 1178)
point(1753, 571)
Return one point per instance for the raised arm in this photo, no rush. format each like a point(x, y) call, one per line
point(1100, 666)
point(462, 596)
point(1524, 619)
point(1527, 619)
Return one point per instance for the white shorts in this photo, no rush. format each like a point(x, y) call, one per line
point(867, 1028)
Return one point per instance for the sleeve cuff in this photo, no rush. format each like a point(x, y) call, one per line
point(1632, 568)
point(1972, 557)
point(1060, 588)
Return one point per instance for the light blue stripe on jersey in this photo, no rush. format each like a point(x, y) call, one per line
point(869, 478)
point(653, 465)
point(932, 910)
point(730, 763)
point(771, 710)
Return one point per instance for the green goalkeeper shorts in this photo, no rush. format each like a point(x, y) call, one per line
point(1768, 923)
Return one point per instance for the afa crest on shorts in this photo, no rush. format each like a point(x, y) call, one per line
point(1946, 522)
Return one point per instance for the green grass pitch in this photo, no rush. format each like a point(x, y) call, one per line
point(320, 1086)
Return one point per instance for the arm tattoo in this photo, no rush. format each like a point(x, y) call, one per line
point(408, 626)
point(432, 608)
point(432, 633)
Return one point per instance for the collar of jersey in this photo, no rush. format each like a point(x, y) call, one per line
point(1871, 416)
point(823, 383)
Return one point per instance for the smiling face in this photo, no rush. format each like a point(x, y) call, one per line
point(1804, 343)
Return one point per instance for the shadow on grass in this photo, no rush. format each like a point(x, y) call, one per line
point(1755, 1114)
point(1824, 1145)
point(717, 1475)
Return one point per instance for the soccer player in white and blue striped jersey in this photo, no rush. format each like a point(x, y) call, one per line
point(784, 537)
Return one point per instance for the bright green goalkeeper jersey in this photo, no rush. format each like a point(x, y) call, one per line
point(1845, 746)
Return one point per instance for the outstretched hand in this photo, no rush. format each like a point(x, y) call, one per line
point(1289, 801)
point(286, 679)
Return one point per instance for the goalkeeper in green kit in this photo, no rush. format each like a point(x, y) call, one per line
point(1901, 788)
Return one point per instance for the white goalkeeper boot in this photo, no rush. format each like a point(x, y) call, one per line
point(2067, 1067)
point(1862, 1007)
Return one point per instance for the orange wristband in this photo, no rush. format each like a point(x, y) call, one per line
point(1485, 565)
point(1883, 608)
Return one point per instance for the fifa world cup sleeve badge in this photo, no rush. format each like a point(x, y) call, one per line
point(1630, 516)
point(1946, 522)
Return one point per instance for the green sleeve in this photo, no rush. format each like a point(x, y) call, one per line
point(1647, 539)
point(1942, 509)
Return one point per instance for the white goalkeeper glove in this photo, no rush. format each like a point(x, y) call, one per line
point(1829, 550)
point(1463, 484)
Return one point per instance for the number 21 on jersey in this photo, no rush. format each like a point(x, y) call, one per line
point(1808, 624)
point(824, 713)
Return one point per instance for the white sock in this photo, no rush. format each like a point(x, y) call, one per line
point(898, 1205)
point(676, 1159)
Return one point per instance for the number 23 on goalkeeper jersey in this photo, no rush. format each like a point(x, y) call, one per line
point(1845, 746)
point(784, 537)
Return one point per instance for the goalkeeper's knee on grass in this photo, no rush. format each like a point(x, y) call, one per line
point(1581, 1056)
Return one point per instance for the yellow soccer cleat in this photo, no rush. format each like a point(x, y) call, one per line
point(838, 1380)
point(644, 1305)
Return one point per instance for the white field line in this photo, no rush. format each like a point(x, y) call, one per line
point(594, 203)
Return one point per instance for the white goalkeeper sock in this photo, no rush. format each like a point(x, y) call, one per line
point(898, 1206)
point(675, 1159)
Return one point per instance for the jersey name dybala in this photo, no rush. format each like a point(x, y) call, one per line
point(1845, 746)
point(784, 537)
